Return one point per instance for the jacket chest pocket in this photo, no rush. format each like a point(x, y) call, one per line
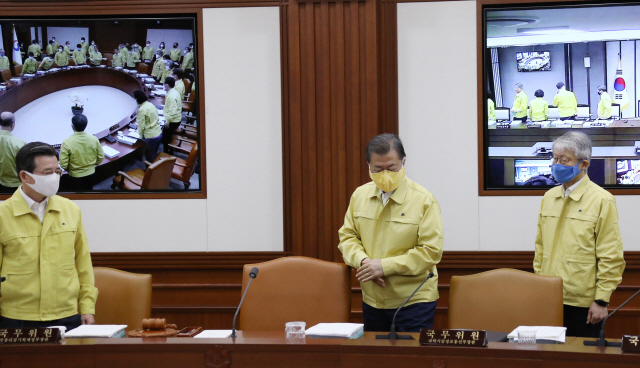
point(579, 233)
point(20, 252)
point(365, 224)
point(402, 235)
point(61, 242)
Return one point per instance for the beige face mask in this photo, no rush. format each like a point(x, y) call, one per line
point(386, 180)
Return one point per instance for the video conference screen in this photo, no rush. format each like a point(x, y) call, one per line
point(594, 50)
point(92, 66)
point(534, 173)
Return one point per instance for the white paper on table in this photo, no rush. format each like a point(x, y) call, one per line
point(213, 334)
point(95, 331)
point(542, 332)
point(335, 329)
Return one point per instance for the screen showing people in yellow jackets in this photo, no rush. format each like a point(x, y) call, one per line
point(59, 289)
point(578, 237)
point(393, 235)
point(539, 107)
point(604, 105)
point(520, 104)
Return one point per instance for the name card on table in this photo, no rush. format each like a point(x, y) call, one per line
point(631, 344)
point(469, 338)
point(29, 335)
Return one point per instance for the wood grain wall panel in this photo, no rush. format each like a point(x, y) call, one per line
point(204, 289)
point(333, 111)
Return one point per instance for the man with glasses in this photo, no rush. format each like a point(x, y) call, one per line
point(578, 237)
point(392, 234)
point(44, 254)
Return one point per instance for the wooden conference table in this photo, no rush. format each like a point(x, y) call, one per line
point(271, 349)
point(19, 94)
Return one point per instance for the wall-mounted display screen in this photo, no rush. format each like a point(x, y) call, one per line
point(534, 61)
point(115, 96)
point(591, 88)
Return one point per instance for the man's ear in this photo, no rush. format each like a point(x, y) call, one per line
point(584, 165)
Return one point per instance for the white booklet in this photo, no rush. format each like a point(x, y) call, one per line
point(542, 333)
point(213, 334)
point(110, 152)
point(338, 330)
point(97, 331)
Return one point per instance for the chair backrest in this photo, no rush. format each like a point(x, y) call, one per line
point(108, 56)
point(38, 64)
point(124, 298)
point(6, 74)
point(72, 62)
point(17, 69)
point(190, 163)
point(142, 68)
point(187, 85)
point(295, 289)
point(158, 175)
point(503, 299)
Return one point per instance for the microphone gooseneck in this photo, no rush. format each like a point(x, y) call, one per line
point(252, 275)
point(392, 335)
point(601, 341)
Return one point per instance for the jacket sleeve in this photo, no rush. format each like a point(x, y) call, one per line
point(350, 242)
point(141, 119)
point(609, 255)
point(88, 292)
point(64, 157)
point(427, 253)
point(99, 153)
point(537, 258)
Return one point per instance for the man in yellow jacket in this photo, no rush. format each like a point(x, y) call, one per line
point(566, 102)
point(4, 60)
point(61, 58)
point(158, 65)
point(147, 52)
point(46, 64)
point(30, 65)
point(539, 107)
point(51, 49)
point(79, 155)
point(491, 110)
point(520, 104)
point(119, 60)
point(174, 53)
point(79, 56)
point(148, 125)
point(578, 238)
point(35, 49)
point(604, 106)
point(393, 235)
point(44, 253)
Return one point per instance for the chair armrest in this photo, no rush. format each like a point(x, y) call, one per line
point(179, 149)
point(147, 163)
point(179, 164)
point(183, 139)
point(134, 181)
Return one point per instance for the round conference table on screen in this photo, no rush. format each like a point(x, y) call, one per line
point(43, 109)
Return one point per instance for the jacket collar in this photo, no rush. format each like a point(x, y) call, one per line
point(578, 192)
point(398, 195)
point(20, 207)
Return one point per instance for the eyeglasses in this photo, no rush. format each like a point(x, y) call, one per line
point(562, 160)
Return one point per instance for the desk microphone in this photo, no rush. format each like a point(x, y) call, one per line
point(601, 341)
point(3, 279)
point(392, 335)
point(252, 275)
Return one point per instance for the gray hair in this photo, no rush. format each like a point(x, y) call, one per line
point(577, 143)
point(519, 85)
point(602, 87)
point(7, 119)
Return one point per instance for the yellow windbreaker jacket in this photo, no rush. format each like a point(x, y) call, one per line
point(579, 240)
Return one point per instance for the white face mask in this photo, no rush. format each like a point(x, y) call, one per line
point(47, 185)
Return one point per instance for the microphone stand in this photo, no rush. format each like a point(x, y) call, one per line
point(601, 341)
point(252, 275)
point(392, 335)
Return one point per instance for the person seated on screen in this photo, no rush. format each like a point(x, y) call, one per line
point(162, 48)
point(9, 146)
point(491, 111)
point(84, 46)
point(79, 56)
point(46, 64)
point(604, 106)
point(96, 56)
point(148, 125)
point(119, 59)
point(566, 102)
point(51, 49)
point(520, 104)
point(4, 60)
point(147, 52)
point(539, 107)
point(46, 254)
point(132, 59)
point(175, 53)
point(187, 61)
point(79, 156)
point(178, 74)
point(136, 49)
point(158, 65)
point(172, 111)
point(35, 49)
point(67, 49)
point(579, 238)
point(30, 65)
point(61, 58)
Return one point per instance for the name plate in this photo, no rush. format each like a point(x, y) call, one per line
point(469, 338)
point(29, 335)
point(631, 344)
